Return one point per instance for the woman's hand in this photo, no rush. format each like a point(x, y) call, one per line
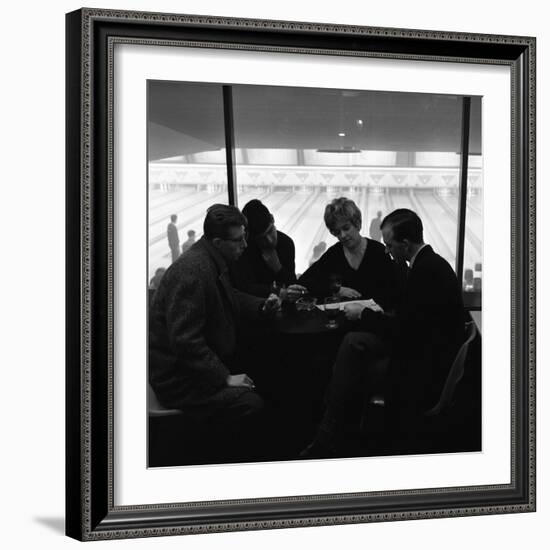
point(350, 293)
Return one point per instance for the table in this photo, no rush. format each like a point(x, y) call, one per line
point(290, 321)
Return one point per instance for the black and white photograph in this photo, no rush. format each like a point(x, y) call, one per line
point(215, 341)
point(314, 273)
point(301, 292)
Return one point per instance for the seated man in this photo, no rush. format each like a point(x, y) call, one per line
point(193, 326)
point(269, 257)
point(421, 338)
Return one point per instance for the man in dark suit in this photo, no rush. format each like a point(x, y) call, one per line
point(421, 338)
point(193, 326)
point(173, 237)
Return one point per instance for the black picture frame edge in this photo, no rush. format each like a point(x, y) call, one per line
point(90, 512)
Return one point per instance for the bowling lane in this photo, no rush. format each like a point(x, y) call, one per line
point(402, 199)
point(474, 222)
point(189, 209)
point(374, 202)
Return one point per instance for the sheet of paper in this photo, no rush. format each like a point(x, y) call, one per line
point(371, 304)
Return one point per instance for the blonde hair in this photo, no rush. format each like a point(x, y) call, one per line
point(342, 209)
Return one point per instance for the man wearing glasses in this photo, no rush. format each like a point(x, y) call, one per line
point(193, 327)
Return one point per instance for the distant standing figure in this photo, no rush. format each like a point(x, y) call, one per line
point(318, 251)
point(374, 231)
point(155, 281)
point(189, 242)
point(173, 237)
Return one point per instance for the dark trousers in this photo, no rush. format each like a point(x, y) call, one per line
point(175, 250)
point(359, 369)
point(243, 407)
point(239, 427)
point(229, 432)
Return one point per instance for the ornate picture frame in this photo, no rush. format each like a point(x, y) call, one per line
point(91, 509)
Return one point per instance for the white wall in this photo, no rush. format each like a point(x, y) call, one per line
point(32, 125)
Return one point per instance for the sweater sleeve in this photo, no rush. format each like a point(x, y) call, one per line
point(316, 277)
point(287, 257)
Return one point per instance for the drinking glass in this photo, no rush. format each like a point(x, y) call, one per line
point(275, 288)
point(332, 310)
point(280, 291)
point(335, 284)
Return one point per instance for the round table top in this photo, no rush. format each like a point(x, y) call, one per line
point(308, 322)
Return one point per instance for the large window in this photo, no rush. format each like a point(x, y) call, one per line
point(187, 168)
point(297, 148)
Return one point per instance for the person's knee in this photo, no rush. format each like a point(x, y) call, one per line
point(248, 404)
point(364, 342)
point(356, 341)
point(253, 402)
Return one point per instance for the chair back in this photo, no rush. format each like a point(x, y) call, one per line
point(154, 408)
point(455, 373)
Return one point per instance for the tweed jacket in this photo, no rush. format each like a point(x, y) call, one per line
point(193, 328)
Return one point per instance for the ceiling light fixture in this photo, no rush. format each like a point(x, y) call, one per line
point(346, 149)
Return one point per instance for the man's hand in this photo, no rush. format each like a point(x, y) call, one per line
point(272, 304)
point(293, 292)
point(240, 381)
point(271, 258)
point(351, 293)
point(353, 311)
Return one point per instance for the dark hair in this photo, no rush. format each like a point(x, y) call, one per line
point(342, 209)
point(405, 224)
point(258, 217)
point(191, 233)
point(219, 218)
point(173, 217)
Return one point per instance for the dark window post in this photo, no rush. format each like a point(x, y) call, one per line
point(229, 143)
point(463, 188)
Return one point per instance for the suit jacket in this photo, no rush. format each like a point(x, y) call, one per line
point(193, 328)
point(426, 331)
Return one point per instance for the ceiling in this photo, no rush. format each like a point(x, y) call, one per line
point(186, 118)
